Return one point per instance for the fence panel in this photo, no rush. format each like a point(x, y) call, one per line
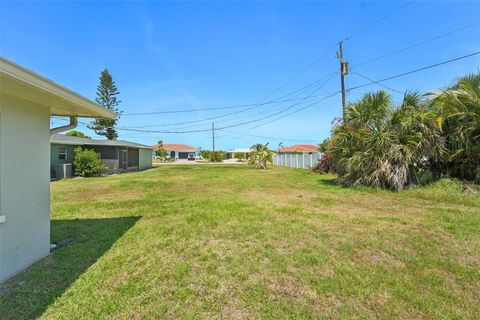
point(303, 161)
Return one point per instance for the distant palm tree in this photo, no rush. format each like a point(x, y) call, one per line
point(260, 156)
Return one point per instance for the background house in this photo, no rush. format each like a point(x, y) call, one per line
point(179, 151)
point(299, 148)
point(230, 154)
point(117, 155)
point(27, 100)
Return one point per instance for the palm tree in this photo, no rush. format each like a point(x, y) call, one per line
point(260, 156)
point(458, 116)
point(382, 145)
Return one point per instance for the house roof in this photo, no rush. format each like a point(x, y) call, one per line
point(28, 85)
point(299, 148)
point(177, 147)
point(77, 141)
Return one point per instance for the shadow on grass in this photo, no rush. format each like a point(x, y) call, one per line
point(331, 182)
point(27, 295)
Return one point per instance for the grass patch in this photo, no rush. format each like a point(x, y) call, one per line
point(230, 242)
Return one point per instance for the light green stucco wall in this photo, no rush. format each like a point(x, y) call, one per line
point(54, 153)
point(24, 184)
point(144, 159)
point(54, 156)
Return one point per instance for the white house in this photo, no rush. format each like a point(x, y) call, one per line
point(27, 100)
point(230, 154)
point(179, 151)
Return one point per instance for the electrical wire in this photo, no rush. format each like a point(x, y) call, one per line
point(377, 82)
point(311, 104)
point(416, 44)
point(355, 33)
point(417, 70)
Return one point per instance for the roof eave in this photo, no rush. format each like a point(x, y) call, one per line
point(25, 76)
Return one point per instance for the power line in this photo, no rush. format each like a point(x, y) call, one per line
point(417, 70)
point(304, 98)
point(272, 101)
point(83, 124)
point(311, 104)
point(296, 111)
point(266, 137)
point(296, 75)
point(348, 37)
point(281, 86)
point(377, 82)
point(321, 82)
point(322, 55)
point(417, 44)
point(368, 84)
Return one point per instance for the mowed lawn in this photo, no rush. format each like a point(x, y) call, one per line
point(207, 242)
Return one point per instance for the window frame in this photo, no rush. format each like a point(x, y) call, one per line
point(65, 153)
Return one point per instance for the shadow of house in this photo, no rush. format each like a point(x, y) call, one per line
point(88, 240)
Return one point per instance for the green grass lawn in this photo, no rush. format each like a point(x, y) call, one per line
point(231, 242)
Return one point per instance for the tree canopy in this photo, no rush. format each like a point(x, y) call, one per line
point(107, 93)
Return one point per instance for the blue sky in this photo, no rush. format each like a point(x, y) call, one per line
point(193, 55)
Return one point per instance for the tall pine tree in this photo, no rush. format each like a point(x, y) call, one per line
point(107, 97)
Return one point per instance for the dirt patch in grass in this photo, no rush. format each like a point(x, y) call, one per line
point(289, 288)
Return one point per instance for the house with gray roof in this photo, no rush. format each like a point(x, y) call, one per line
point(117, 155)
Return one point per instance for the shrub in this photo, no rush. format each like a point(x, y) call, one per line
point(240, 156)
point(87, 163)
point(211, 156)
point(325, 164)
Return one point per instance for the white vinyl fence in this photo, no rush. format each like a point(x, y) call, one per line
point(304, 160)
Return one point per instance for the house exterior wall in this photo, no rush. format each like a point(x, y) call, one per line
point(54, 160)
point(144, 159)
point(24, 184)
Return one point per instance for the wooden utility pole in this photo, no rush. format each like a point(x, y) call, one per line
point(213, 141)
point(343, 73)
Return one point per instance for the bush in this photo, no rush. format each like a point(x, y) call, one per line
point(325, 164)
point(216, 156)
point(240, 156)
point(211, 156)
point(87, 163)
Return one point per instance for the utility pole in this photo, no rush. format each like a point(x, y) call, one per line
point(213, 141)
point(343, 73)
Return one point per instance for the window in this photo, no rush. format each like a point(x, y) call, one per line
point(62, 153)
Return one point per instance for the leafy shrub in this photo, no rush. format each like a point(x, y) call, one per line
point(424, 177)
point(87, 163)
point(211, 156)
point(240, 156)
point(325, 164)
